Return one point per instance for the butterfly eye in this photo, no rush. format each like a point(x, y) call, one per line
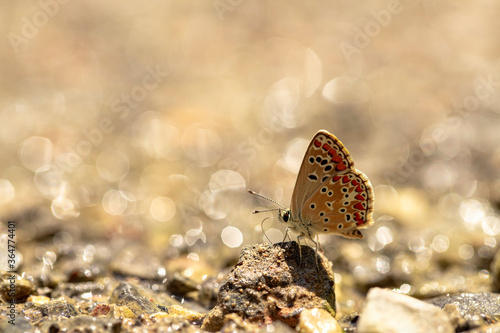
point(286, 216)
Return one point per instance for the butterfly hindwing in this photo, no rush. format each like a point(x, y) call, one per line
point(342, 205)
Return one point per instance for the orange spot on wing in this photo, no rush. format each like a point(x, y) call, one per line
point(359, 189)
point(354, 182)
point(341, 166)
point(335, 157)
point(359, 206)
point(317, 143)
point(359, 197)
point(336, 178)
point(358, 219)
point(345, 179)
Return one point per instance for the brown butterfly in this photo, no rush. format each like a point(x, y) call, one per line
point(330, 195)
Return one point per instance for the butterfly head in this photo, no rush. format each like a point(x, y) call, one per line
point(284, 215)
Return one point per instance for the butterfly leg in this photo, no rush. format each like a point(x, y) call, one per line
point(317, 245)
point(299, 237)
point(286, 234)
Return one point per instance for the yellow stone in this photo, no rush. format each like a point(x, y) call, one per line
point(317, 321)
point(38, 300)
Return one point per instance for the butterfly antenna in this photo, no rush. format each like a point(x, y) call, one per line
point(266, 198)
point(265, 210)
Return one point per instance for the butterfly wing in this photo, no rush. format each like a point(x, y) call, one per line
point(342, 205)
point(325, 157)
point(330, 195)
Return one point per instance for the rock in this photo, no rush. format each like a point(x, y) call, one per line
point(457, 320)
point(271, 282)
point(15, 287)
point(179, 284)
point(387, 311)
point(100, 310)
point(317, 321)
point(21, 325)
point(475, 309)
point(349, 322)
point(83, 324)
point(180, 312)
point(125, 294)
point(170, 324)
point(57, 309)
point(38, 300)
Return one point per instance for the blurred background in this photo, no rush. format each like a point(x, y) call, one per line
point(126, 123)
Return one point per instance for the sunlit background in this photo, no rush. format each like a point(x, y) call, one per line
point(126, 123)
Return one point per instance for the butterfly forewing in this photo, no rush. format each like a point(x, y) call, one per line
point(324, 157)
point(330, 195)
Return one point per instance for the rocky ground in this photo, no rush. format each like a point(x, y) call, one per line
point(270, 288)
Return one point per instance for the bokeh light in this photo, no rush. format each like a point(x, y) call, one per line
point(138, 125)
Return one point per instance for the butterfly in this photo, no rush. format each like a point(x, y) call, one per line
point(330, 196)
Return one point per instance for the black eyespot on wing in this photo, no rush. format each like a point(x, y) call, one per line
point(328, 168)
point(312, 177)
point(324, 162)
point(312, 206)
point(318, 159)
point(324, 178)
point(325, 230)
point(340, 226)
point(330, 193)
point(321, 213)
point(311, 160)
point(344, 189)
point(347, 217)
point(323, 190)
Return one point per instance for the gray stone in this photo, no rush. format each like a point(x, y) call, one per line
point(125, 294)
point(387, 311)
